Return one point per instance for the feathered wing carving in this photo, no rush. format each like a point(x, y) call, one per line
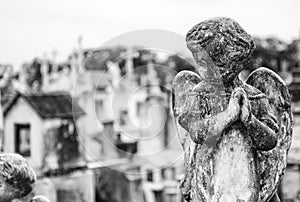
point(183, 84)
point(272, 164)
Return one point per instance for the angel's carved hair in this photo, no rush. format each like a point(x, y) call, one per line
point(17, 173)
point(226, 42)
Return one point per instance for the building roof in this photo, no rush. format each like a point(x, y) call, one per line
point(50, 105)
point(97, 58)
point(8, 94)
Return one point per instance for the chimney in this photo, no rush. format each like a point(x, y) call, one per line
point(45, 74)
point(108, 140)
point(129, 65)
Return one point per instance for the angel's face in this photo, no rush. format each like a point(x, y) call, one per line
point(207, 69)
point(205, 66)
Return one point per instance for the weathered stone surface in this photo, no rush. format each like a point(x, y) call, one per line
point(235, 135)
point(272, 163)
point(16, 177)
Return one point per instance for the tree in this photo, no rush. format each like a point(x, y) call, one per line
point(34, 75)
point(270, 52)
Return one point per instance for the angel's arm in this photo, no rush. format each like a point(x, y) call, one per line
point(264, 129)
point(206, 129)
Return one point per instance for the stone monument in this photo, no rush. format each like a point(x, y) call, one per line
point(235, 134)
point(16, 177)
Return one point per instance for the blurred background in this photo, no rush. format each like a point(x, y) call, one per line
point(85, 90)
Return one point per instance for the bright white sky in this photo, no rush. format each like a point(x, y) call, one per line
point(32, 28)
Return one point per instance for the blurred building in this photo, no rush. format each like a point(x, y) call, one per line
point(130, 95)
point(42, 128)
point(101, 113)
point(40, 124)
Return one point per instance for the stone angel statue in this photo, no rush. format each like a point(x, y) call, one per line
point(235, 134)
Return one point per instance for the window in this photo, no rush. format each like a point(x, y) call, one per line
point(22, 139)
point(99, 108)
point(138, 108)
point(149, 176)
point(173, 173)
point(163, 173)
point(170, 197)
point(169, 173)
point(123, 117)
point(158, 196)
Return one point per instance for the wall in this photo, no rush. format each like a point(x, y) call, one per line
point(153, 120)
point(290, 184)
point(89, 128)
point(173, 138)
point(293, 155)
point(76, 187)
point(108, 141)
point(23, 113)
point(114, 186)
point(126, 97)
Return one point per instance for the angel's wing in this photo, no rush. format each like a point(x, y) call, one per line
point(183, 83)
point(272, 163)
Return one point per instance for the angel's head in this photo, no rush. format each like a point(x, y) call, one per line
point(220, 46)
point(16, 177)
